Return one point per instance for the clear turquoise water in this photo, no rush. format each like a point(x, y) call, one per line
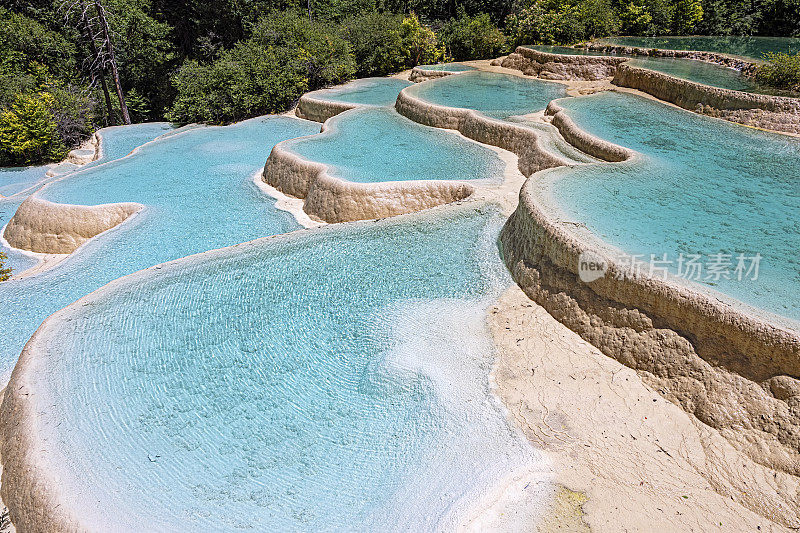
point(117, 142)
point(366, 91)
point(376, 145)
point(326, 381)
point(702, 186)
point(198, 195)
point(752, 47)
point(447, 67)
point(687, 69)
point(495, 95)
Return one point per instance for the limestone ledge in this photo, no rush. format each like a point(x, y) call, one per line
point(332, 200)
point(51, 228)
point(420, 74)
point(739, 63)
point(521, 141)
point(778, 113)
point(561, 66)
point(584, 141)
point(732, 369)
point(319, 110)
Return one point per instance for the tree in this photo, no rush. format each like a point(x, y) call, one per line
point(475, 37)
point(28, 131)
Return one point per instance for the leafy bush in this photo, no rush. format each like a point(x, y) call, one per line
point(376, 42)
point(557, 22)
point(28, 131)
point(475, 37)
point(244, 82)
point(316, 46)
point(782, 71)
point(5, 274)
point(420, 45)
point(24, 41)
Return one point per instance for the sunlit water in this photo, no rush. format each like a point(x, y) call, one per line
point(366, 91)
point(328, 380)
point(702, 186)
point(752, 47)
point(687, 69)
point(198, 195)
point(117, 141)
point(495, 95)
point(447, 67)
point(375, 145)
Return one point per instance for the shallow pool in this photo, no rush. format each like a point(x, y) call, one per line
point(198, 194)
point(376, 145)
point(366, 91)
point(687, 69)
point(752, 47)
point(702, 187)
point(495, 95)
point(327, 380)
point(447, 67)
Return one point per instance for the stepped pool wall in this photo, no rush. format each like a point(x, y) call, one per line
point(777, 113)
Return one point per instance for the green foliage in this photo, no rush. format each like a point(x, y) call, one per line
point(244, 82)
point(24, 41)
point(376, 42)
point(475, 37)
point(5, 274)
point(420, 45)
point(688, 15)
point(316, 46)
point(561, 22)
point(782, 71)
point(28, 131)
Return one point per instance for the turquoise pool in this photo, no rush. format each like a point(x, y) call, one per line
point(495, 95)
point(198, 194)
point(376, 145)
point(336, 379)
point(447, 67)
point(702, 186)
point(752, 47)
point(687, 69)
point(366, 91)
point(117, 142)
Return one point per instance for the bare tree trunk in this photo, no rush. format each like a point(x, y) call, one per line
point(102, 74)
point(101, 15)
point(308, 3)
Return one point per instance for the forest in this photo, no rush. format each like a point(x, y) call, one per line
point(69, 67)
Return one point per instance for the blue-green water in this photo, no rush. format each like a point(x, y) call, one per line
point(325, 381)
point(495, 95)
point(117, 141)
point(752, 47)
point(702, 186)
point(198, 194)
point(687, 69)
point(366, 91)
point(376, 145)
point(447, 67)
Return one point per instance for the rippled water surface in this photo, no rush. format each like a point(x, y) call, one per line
point(329, 380)
point(375, 145)
point(447, 67)
point(495, 95)
point(703, 186)
point(198, 195)
point(367, 91)
point(752, 47)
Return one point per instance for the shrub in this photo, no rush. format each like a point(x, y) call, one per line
point(5, 274)
point(244, 82)
point(316, 46)
point(475, 37)
point(782, 71)
point(420, 45)
point(28, 131)
point(376, 43)
point(557, 22)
